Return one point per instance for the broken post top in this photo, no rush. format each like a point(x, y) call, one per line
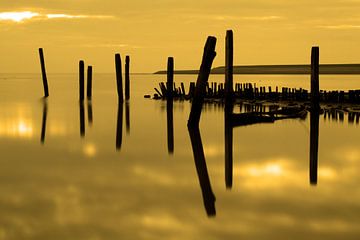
point(315, 96)
point(229, 66)
point(200, 91)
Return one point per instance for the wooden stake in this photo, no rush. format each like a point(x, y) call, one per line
point(43, 72)
point(81, 80)
point(89, 82)
point(208, 57)
point(127, 77)
point(170, 77)
point(315, 98)
point(119, 77)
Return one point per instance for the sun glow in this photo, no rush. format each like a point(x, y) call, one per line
point(17, 16)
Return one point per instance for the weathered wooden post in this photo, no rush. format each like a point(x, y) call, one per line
point(127, 78)
point(315, 97)
point(208, 57)
point(228, 109)
point(170, 78)
point(89, 82)
point(81, 80)
point(119, 77)
point(43, 72)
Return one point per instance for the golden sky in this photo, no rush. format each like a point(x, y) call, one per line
point(265, 32)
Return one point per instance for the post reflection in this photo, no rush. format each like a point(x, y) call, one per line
point(127, 117)
point(170, 126)
point(314, 145)
point(90, 112)
point(119, 126)
point(228, 145)
point(201, 169)
point(43, 124)
point(82, 118)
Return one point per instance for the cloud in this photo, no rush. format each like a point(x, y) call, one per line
point(28, 15)
point(342, 26)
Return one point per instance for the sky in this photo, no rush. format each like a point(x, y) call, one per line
point(265, 32)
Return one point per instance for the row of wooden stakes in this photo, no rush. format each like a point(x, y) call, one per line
point(119, 81)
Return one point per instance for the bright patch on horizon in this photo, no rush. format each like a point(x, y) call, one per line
point(17, 16)
point(27, 15)
point(341, 27)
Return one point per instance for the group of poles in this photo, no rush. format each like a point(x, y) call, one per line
point(119, 78)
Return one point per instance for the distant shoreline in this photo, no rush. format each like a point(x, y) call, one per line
point(280, 69)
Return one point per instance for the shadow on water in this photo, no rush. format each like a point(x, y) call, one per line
point(201, 169)
point(127, 117)
point(82, 118)
point(119, 126)
point(43, 124)
point(314, 145)
point(170, 126)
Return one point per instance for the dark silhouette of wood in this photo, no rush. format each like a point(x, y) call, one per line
point(89, 82)
point(119, 126)
point(43, 72)
point(127, 117)
point(183, 89)
point(228, 109)
point(81, 80)
point(119, 77)
point(170, 78)
point(315, 97)
point(229, 66)
point(158, 92)
point(170, 126)
point(127, 78)
point(90, 113)
point(202, 80)
point(43, 124)
point(82, 119)
point(314, 145)
point(201, 169)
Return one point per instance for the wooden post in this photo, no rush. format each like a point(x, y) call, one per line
point(89, 82)
point(228, 108)
point(127, 78)
point(208, 57)
point(315, 78)
point(43, 72)
point(170, 77)
point(81, 80)
point(119, 77)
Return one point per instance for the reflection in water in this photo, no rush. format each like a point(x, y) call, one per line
point(43, 124)
point(127, 117)
point(201, 169)
point(170, 126)
point(228, 145)
point(82, 119)
point(314, 145)
point(90, 112)
point(119, 126)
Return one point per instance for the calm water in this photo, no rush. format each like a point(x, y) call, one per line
point(105, 181)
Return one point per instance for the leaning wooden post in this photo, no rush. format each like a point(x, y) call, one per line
point(89, 82)
point(315, 97)
point(43, 72)
point(228, 109)
point(127, 77)
point(205, 68)
point(119, 77)
point(81, 80)
point(170, 78)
